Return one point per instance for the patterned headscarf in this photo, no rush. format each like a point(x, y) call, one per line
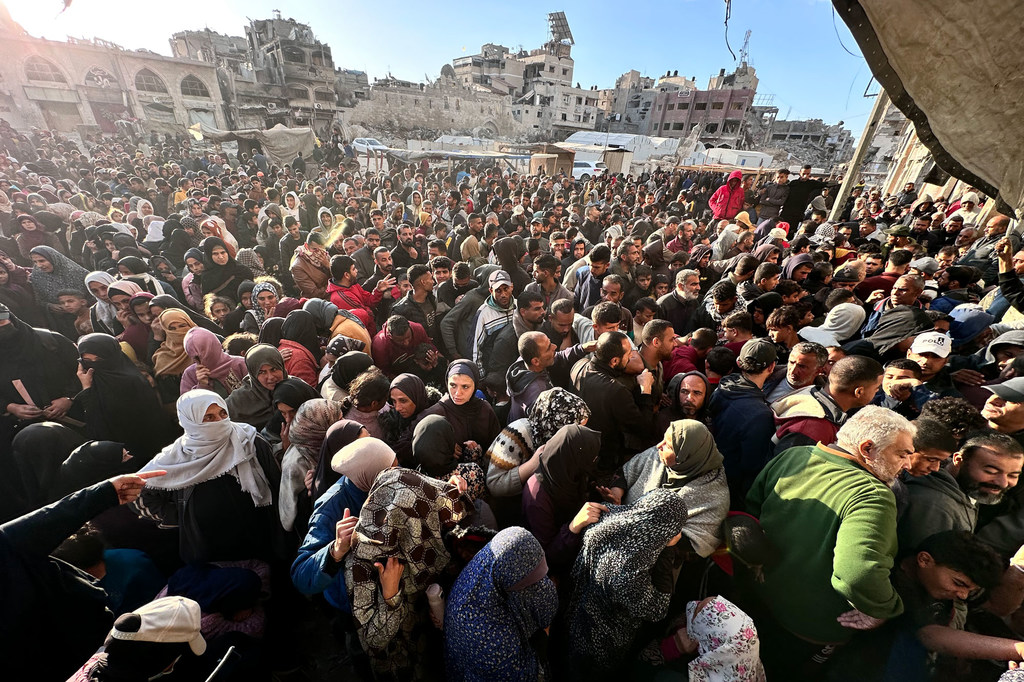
point(499, 601)
point(257, 309)
point(66, 274)
point(727, 643)
point(553, 409)
point(250, 259)
point(310, 425)
point(405, 516)
point(613, 590)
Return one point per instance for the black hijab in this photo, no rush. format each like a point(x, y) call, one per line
point(300, 327)
point(338, 436)
point(135, 265)
point(414, 388)
point(271, 331)
point(293, 392)
point(91, 463)
point(222, 280)
point(349, 366)
point(123, 407)
point(566, 466)
point(433, 447)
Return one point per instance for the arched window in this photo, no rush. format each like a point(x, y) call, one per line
point(100, 78)
point(326, 96)
point(147, 81)
point(193, 87)
point(38, 69)
point(297, 92)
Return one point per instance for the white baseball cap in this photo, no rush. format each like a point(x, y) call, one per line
point(932, 342)
point(167, 621)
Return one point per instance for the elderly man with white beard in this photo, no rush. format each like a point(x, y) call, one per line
point(679, 305)
point(830, 512)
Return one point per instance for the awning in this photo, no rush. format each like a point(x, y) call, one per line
point(953, 70)
point(407, 155)
point(280, 144)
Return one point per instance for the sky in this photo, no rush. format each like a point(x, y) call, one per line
point(799, 47)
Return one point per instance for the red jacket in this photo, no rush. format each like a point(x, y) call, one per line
point(684, 359)
point(727, 200)
point(302, 364)
point(386, 354)
point(353, 297)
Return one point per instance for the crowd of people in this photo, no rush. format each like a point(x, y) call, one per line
point(501, 426)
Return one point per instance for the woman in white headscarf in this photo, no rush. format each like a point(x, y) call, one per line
point(220, 488)
point(103, 313)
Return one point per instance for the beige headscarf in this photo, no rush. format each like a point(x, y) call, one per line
point(170, 359)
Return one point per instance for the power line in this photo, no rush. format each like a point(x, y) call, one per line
point(836, 29)
point(728, 14)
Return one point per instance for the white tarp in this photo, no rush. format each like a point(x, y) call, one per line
point(280, 144)
point(957, 71)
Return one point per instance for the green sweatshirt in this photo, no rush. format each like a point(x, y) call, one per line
point(834, 524)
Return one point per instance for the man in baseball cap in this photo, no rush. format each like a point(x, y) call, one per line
point(739, 399)
point(930, 351)
point(495, 312)
point(148, 641)
point(1004, 409)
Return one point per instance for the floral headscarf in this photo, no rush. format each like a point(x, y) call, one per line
point(727, 643)
point(505, 592)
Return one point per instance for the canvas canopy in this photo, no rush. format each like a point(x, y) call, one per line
point(280, 144)
point(954, 69)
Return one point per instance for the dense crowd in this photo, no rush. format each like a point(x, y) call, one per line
point(499, 426)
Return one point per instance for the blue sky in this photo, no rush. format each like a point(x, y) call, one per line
point(793, 45)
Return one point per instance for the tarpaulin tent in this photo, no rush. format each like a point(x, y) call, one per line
point(280, 144)
point(952, 68)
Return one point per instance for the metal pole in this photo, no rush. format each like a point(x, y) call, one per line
point(863, 144)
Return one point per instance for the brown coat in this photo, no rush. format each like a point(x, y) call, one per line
point(310, 277)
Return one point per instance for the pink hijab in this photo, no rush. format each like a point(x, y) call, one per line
point(202, 343)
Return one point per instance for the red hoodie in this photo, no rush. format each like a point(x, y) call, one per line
point(356, 299)
point(727, 200)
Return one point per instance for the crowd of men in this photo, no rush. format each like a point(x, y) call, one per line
point(679, 423)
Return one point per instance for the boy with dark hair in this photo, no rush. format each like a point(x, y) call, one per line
point(782, 326)
point(460, 283)
point(719, 362)
point(689, 356)
point(738, 328)
point(75, 303)
point(933, 582)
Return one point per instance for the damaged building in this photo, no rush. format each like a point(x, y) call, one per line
point(277, 73)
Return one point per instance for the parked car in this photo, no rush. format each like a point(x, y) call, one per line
point(584, 170)
point(361, 145)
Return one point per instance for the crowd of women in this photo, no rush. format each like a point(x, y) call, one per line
point(269, 365)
